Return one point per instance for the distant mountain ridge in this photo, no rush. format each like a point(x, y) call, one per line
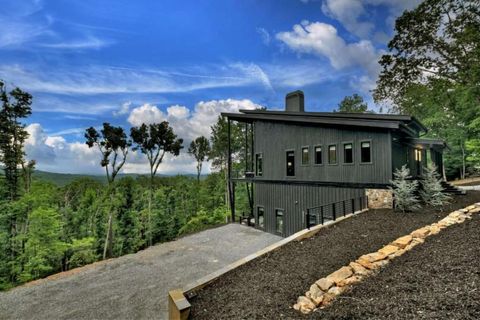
point(62, 179)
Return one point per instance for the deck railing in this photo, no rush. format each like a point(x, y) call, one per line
point(331, 211)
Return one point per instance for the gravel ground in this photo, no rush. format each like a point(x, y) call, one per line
point(266, 288)
point(134, 286)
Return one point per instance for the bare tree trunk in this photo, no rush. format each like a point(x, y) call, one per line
point(107, 249)
point(149, 218)
point(463, 161)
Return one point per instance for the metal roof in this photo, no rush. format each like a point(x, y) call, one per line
point(387, 121)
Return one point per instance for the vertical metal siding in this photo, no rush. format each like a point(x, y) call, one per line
point(295, 199)
point(273, 139)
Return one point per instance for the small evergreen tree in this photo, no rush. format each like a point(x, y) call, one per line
point(432, 191)
point(404, 190)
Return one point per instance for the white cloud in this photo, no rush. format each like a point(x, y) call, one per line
point(189, 125)
point(322, 40)
point(146, 114)
point(113, 80)
point(348, 13)
point(124, 109)
point(54, 153)
point(265, 35)
point(354, 17)
point(89, 42)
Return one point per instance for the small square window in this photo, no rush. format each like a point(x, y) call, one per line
point(332, 154)
point(279, 221)
point(305, 156)
point(348, 153)
point(365, 152)
point(259, 164)
point(318, 155)
point(260, 217)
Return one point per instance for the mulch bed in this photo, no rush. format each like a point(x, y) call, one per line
point(439, 279)
point(267, 287)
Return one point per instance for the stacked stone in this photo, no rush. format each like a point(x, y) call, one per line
point(324, 291)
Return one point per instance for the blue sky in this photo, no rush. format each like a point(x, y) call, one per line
point(128, 62)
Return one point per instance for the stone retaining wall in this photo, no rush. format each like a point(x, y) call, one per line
point(379, 198)
point(325, 290)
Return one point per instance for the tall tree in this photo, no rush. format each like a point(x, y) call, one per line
point(219, 147)
point(113, 145)
point(16, 105)
point(353, 104)
point(155, 140)
point(440, 39)
point(432, 72)
point(199, 149)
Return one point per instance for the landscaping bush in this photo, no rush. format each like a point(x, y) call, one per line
point(203, 220)
point(432, 191)
point(404, 190)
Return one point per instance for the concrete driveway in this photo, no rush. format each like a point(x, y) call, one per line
point(134, 286)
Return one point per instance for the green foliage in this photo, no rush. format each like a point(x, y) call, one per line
point(199, 149)
point(432, 191)
point(113, 145)
point(432, 72)
point(82, 252)
point(43, 249)
point(404, 190)
point(353, 104)
point(15, 105)
point(204, 219)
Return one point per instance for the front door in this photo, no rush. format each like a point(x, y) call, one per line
point(418, 161)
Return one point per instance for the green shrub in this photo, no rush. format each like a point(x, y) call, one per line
point(204, 220)
point(83, 252)
point(404, 190)
point(432, 191)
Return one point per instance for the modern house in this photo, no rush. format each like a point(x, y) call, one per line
point(311, 166)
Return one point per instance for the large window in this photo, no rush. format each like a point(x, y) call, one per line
point(332, 154)
point(348, 153)
point(305, 156)
point(290, 163)
point(259, 164)
point(279, 221)
point(318, 155)
point(260, 217)
point(366, 152)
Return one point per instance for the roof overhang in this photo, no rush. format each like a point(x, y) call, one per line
point(430, 143)
point(306, 118)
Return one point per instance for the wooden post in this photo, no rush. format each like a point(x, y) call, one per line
point(178, 305)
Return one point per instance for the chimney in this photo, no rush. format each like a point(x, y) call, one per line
point(295, 102)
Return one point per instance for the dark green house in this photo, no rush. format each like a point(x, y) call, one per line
point(312, 166)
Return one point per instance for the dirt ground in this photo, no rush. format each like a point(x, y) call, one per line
point(134, 286)
point(266, 288)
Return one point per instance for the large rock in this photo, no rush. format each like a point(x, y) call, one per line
point(340, 274)
point(336, 291)
point(388, 250)
point(324, 283)
point(315, 294)
point(402, 242)
point(349, 281)
point(420, 233)
point(304, 305)
point(327, 299)
point(358, 269)
point(434, 229)
point(476, 210)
